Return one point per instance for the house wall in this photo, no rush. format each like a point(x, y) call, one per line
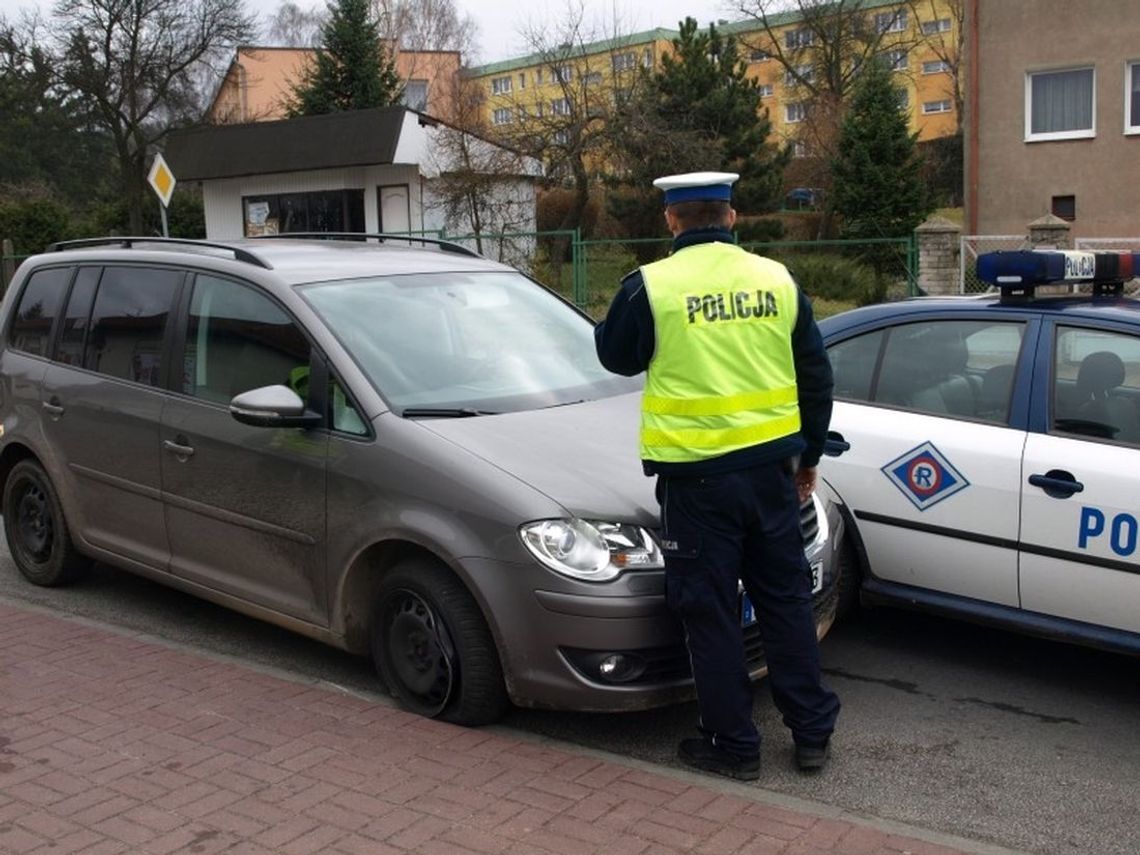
point(260, 82)
point(1016, 180)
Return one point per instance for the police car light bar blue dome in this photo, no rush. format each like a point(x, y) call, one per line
point(1053, 266)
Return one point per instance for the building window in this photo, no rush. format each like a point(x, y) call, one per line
point(562, 136)
point(500, 85)
point(799, 74)
point(416, 95)
point(800, 149)
point(1132, 99)
point(560, 107)
point(767, 90)
point(538, 76)
point(592, 78)
point(896, 60)
point(933, 28)
point(647, 58)
point(759, 56)
point(936, 66)
point(795, 112)
point(562, 73)
point(624, 61)
point(522, 80)
point(902, 98)
point(1060, 104)
point(929, 107)
point(501, 116)
point(795, 39)
point(319, 211)
point(891, 22)
point(1064, 207)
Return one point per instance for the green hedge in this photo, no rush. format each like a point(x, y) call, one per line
point(833, 277)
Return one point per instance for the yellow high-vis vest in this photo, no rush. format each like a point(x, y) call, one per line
point(722, 376)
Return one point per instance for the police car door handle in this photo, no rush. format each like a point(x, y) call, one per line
point(180, 449)
point(1057, 483)
point(835, 444)
point(53, 408)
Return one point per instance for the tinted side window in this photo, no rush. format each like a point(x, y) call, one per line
point(1096, 384)
point(128, 323)
point(39, 304)
point(238, 339)
point(955, 368)
point(77, 318)
point(853, 364)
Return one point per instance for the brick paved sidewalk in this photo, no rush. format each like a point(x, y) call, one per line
point(115, 743)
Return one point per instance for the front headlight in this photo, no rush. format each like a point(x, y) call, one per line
point(589, 550)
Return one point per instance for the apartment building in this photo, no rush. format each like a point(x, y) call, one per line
point(1053, 117)
point(260, 81)
point(919, 37)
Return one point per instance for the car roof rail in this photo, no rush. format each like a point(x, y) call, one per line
point(127, 242)
point(444, 245)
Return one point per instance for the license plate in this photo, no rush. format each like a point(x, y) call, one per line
point(748, 611)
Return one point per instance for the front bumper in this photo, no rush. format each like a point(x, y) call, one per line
point(615, 647)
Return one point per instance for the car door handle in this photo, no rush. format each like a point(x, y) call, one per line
point(835, 444)
point(53, 407)
point(1057, 483)
point(178, 449)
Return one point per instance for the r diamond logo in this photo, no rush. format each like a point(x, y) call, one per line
point(924, 476)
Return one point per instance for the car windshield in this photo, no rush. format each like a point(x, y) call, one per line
point(465, 343)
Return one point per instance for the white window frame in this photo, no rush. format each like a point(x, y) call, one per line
point(933, 28)
point(891, 22)
point(936, 66)
point(560, 107)
point(931, 108)
point(758, 55)
point(1047, 136)
point(797, 107)
point(897, 59)
point(501, 85)
point(562, 73)
point(502, 116)
point(1131, 79)
point(801, 38)
point(766, 90)
point(624, 61)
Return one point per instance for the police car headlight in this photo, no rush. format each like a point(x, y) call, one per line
point(591, 550)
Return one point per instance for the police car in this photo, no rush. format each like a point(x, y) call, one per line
point(987, 449)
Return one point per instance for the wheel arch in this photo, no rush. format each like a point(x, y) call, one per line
point(12, 454)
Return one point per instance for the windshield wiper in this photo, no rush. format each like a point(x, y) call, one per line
point(444, 413)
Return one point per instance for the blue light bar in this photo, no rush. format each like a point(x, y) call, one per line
point(1028, 267)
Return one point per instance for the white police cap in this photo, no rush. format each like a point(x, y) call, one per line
point(697, 186)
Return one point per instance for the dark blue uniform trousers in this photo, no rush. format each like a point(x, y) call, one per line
point(744, 525)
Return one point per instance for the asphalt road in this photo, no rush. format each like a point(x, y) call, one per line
point(988, 735)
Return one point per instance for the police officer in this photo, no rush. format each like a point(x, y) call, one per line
point(733, 420)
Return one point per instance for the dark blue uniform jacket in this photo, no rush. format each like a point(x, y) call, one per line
point(626, 341)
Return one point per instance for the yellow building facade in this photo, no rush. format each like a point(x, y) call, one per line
point(920, 38)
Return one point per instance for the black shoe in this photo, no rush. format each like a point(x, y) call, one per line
point(812, 758)
point(702, 754)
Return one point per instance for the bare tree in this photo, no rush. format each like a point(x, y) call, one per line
point(426, 25)
point(139, 64)
point(477, 183)
point(292, 26)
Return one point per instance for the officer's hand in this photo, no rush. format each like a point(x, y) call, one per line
point(805, 482)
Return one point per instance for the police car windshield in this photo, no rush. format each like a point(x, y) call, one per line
point(488, 341)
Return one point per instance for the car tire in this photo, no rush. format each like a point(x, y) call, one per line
point(38, 536)
point(847, 586)
point(432, 646)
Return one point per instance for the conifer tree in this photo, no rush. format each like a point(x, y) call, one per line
point(352, 70)
point(878, 186)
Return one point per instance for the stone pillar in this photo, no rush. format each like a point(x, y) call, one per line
point(1050, 232)
point(939, 247)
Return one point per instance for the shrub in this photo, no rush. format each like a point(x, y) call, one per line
point(833, 277)
point(33, 222)
point(759, 229)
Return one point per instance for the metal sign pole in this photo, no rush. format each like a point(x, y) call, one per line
point(165, 231)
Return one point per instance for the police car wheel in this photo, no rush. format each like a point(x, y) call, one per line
point(432, 647)
point(38, 536)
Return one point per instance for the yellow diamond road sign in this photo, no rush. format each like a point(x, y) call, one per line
point(161, 179)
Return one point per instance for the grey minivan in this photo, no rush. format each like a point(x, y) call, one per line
point(393, 446)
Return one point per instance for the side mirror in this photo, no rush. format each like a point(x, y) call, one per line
point(272, 406)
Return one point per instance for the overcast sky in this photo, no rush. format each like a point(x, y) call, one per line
point(500, 21)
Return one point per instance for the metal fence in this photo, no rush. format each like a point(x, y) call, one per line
point(975, 245)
